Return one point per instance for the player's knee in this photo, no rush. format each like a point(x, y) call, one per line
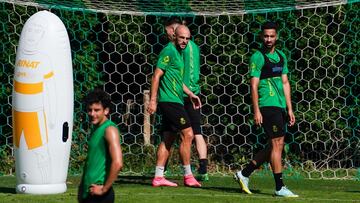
point(277, 143)
point(187, 135)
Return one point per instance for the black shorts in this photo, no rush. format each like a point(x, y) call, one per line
point(108, 197)
point(174, 117)
point(194, 116)
point(274, 121)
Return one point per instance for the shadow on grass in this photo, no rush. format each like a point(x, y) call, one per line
point(221, 189)
point(139, 180)
point(229, 190)
point(353, 191)
point(7, 190)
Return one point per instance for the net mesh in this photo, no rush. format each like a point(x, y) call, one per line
point(115, 46)
point(183, 7)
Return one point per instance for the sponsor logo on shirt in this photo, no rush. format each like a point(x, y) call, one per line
point(277, 69)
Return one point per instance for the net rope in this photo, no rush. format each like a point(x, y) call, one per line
point(182, 7)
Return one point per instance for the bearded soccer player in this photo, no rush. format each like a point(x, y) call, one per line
point(167, 81)
point(270, 92)
point(191, 56)
point(104, 158)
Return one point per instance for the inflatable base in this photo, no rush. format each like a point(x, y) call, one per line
point(41, 189)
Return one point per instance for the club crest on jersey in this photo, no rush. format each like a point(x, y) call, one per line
point(166, 60)
point(182, 121)
point(253, 66)
point(274, 128)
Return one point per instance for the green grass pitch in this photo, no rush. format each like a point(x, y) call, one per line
point(222, 189)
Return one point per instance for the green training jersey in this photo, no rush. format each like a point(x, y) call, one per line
point(269, 67)
point(191, 56)
point(171, 84)
point(98, 160)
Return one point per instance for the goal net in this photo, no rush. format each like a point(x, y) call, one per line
point(115, 45)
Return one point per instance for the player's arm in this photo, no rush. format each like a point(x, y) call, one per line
point(256, 64)
point(154, 90)
point(50, 96)
point(287, 90)
point(287, 93)
point(113, 139)
point(254, 86)
point(195, 100)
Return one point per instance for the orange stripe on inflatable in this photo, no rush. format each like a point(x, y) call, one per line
point(49, 75)
point(28, 88)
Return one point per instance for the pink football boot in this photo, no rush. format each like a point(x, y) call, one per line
point(190, 181)
point(161, 181)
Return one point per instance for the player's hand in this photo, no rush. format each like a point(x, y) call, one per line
point(291, 118)
point(151, 107)
point(258, 118)
point(96, 189)
point(195, 100)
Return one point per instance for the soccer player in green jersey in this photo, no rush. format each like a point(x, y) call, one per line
point(191, 79)
point(270, 92)
point(167, 81)
point(104, 158)
point(191, 56)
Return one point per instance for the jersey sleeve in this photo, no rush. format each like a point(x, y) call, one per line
point(256, 64)
point(285, 68)
point(164, 60)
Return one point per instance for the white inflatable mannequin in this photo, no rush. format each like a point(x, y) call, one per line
point(42, 105)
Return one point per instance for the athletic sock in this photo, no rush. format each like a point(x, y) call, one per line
point(249, 168)
point(203, 166)
point(278, 181)
point(159, 171)
point(187, 170)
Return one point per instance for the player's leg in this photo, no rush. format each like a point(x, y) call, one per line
point(276, 165)
point(242, 176)
point(201, 146)
point(162, 156)
point(178, 119)
point(275, 160)
point(187, 136)
point(174, 136)
point(182, 122)
point(274, 119)
point(163, 150)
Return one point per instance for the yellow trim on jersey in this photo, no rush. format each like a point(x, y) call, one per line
point(28, 88)
point(271, 92)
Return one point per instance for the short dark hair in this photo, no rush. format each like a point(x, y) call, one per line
point(98, 96)
point(269, 25)
point(173, 20)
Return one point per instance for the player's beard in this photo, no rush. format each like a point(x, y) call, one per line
point(179, 48)
point(270, 46)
